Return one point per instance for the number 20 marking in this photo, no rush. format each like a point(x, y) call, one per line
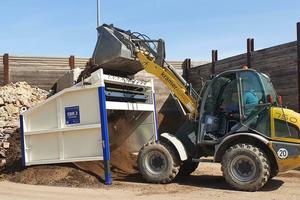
point(282, 153)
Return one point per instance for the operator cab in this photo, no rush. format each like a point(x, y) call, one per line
point(235, 101)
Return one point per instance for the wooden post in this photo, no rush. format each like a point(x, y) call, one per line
point(72, 62)
point(214, 59)
point(298, 61)
point(250, 48)
point(186, 66)
point(6, 78)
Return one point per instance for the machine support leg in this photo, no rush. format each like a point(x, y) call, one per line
point(154, 112)
point(22, 140)
point(105, 135)
point(155, 117)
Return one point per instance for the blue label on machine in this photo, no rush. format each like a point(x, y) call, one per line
point(72, 115)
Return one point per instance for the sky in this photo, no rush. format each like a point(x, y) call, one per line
point(190, 28)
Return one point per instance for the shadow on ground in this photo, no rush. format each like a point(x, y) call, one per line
point(203, 181)
point(218, 182)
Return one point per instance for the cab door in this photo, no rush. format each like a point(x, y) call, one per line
point(220, 100)
point(234, 100)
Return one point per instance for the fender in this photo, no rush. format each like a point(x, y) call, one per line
point(177, 144)
point(221, 147)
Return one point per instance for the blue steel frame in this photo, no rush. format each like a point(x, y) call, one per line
point(22, 140)
point(105, 135)
point(155, 117)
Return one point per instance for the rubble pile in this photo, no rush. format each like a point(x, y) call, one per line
point(4, 145)
point(13, 98)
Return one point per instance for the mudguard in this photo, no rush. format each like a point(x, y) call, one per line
point(221, 147)
point(177, 144)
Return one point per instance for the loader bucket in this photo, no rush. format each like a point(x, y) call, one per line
point(114, 51)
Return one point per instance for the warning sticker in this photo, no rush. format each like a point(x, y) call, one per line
point(72, 115)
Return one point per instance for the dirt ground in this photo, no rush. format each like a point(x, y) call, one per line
point(67, 181)
point(205, 183)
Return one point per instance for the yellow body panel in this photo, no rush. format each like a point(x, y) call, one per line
point(286, 164)
point(171, 81)
point(284, 114)
point(292, 161)
point(281, 139)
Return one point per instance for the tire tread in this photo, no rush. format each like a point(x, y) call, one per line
point(262, 158)
point(174, 167)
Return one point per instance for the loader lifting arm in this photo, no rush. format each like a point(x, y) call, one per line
point(170, 80)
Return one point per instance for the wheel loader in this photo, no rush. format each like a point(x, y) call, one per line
point(237, 118)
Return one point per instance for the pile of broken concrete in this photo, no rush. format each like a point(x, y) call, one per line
point(15, 97)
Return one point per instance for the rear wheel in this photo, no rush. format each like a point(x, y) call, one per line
point(158, 162)
point(245, 167)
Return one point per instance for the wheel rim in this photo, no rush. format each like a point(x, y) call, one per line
point(156, 162)
point(243, 168)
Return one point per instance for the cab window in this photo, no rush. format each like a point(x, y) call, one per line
point(230, 95)
point(252, 92)
point(223, 91)
point(269, 89)
point(260, 121)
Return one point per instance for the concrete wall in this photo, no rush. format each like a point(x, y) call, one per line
point(280, 62)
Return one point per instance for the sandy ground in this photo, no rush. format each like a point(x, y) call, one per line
point(205, 183)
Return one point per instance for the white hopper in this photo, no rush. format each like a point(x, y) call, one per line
point(66, 127)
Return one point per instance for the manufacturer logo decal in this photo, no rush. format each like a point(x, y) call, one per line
point(282, 153)
point(72, 115)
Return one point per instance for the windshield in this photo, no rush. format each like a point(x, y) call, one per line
point(269, 89)
point(267, 118)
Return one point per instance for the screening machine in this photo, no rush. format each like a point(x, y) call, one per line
point(73, 125)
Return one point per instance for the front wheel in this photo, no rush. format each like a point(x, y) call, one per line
point(158, 162)
point(245, 167)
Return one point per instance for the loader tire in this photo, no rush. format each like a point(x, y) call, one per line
point(187, 168)
point(272, 175)
point(158, 162)
point(245, 167)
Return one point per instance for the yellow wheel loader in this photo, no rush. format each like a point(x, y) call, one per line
point(237, 117)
